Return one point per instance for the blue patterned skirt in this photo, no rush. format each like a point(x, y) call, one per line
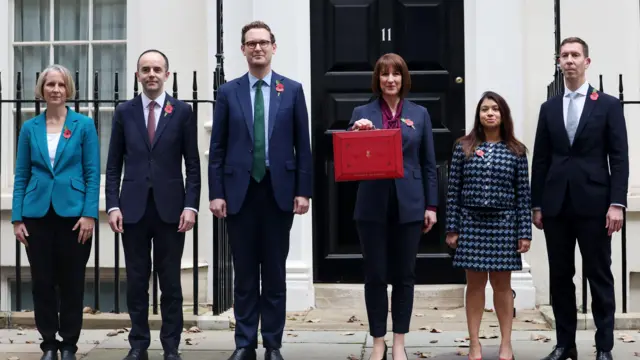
point(488, 240)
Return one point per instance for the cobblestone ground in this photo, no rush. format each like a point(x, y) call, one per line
point(324, 335)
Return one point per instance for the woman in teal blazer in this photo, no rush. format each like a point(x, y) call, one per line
point(55, 207)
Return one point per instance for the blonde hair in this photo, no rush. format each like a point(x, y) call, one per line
point(66, 74)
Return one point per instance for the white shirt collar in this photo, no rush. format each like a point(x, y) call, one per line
point(582, 90)
point(267, 79)
point(159, 100)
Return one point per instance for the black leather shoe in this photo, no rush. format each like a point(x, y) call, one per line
point(173, 355)
point(386, 349)
point(243, 354)
point(137, 354)
point(604, 355)
point(272, 354)
point(563, 353)
point(67, 355)
point(49, 355)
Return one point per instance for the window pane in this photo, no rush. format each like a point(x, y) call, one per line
point(29, 60)
point(25, 114)
point(31, 20)
point(75, 58)
point(104, 134)
point(107, 60)
point(109, 19)
point(71, 19)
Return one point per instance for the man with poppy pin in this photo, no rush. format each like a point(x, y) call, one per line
point(150, 136)
point(260, 175)
point(579, 187)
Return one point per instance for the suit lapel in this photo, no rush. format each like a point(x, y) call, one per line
point(40, 134)
point(165, 115)
point(376, 115)
point(244, 97)
point(586, 113)
point(69, 124)
point(138, 116)
point(557, 111)
point(406, 114)
point(274, 101)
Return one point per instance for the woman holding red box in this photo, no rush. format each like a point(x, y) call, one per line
point(392, 214)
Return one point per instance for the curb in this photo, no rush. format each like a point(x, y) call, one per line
point(628, 321)
point(106, 321)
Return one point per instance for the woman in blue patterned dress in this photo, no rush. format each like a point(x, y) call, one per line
point(489, 215)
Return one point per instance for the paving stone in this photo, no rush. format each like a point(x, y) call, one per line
point(315, 345)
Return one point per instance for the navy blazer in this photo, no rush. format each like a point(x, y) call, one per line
point(418, 189)
point(599, 146)
point(231, 147)
point(157, 165)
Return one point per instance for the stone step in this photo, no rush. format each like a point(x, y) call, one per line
point(350, 296)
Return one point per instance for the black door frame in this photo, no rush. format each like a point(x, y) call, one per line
point(321, 216)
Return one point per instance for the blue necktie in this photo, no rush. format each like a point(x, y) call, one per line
point(572, 117)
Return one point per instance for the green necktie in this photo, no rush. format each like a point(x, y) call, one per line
point(259, 158)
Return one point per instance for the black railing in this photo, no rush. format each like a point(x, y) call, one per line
point(556, 87)
point(222, 279)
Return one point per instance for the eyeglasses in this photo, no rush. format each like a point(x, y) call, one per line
point(262, 43)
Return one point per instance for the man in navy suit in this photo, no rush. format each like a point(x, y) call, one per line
point(150, 135)
point(260, 175)
point(579, 190)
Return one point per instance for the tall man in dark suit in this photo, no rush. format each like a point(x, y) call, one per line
point(260, 175)
point(579, 190)
point(150, 135)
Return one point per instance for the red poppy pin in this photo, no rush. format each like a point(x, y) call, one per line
point(480, 153)
point(66, 133)
point(409, 122)
point(168, 109)
point(279, 87)
point(594, 94)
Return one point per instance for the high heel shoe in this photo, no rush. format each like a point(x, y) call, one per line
point(513, 357)
point(480, 358)
point(384, 356)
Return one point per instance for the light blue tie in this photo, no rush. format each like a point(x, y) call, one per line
point(572, 117)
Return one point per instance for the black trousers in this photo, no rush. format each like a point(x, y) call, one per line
point(561, 233)
point(259, 238)
point(58, 263)
point(389, 250)
point(168, 246)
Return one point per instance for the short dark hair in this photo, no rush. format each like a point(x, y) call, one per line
point(575, 39)
point(397, 63)
point(166, 60)
point(257, 25)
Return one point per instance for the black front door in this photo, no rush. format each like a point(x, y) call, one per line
point(347, 38)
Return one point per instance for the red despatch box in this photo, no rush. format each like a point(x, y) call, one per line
point(368, 155)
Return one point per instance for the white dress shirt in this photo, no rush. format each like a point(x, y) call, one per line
point(52, 143)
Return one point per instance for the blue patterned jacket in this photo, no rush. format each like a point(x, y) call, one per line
point(498, 179)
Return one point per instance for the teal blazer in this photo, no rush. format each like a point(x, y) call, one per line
point(72, 185)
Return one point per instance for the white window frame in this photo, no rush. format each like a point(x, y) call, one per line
point(10, 87)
